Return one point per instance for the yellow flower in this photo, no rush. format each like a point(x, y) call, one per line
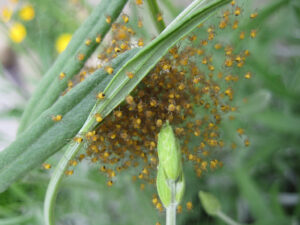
point(62, 42)
point(17, 32)
point(27, 13)
point(6, 14)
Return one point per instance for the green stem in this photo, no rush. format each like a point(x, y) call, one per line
point(171, 215)
point(159, 24)
point(171, 209)
point(226, 219)
point(57, 176)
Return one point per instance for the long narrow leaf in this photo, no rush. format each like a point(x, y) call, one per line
point(51, 86)
point(45, 137)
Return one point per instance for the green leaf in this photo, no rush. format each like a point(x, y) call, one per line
point(45, 137)
point(51, 86)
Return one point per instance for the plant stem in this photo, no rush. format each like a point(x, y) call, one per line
point(226, 219)
point(171, 209)
point(159, 24)
point(52, 190)
point(171, 214)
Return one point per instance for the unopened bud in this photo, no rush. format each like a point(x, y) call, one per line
point(169, 153)
point(210, 203)
point(170, 179)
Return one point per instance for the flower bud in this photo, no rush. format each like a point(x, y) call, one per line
point(169, 153)
point(210, 203)
point(170, 179)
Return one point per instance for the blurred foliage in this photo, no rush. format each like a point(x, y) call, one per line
point(257, 185)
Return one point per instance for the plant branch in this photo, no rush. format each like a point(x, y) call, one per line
point(55, 182)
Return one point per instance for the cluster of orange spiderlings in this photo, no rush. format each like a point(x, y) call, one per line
point(192, 87)
point(121, 42)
